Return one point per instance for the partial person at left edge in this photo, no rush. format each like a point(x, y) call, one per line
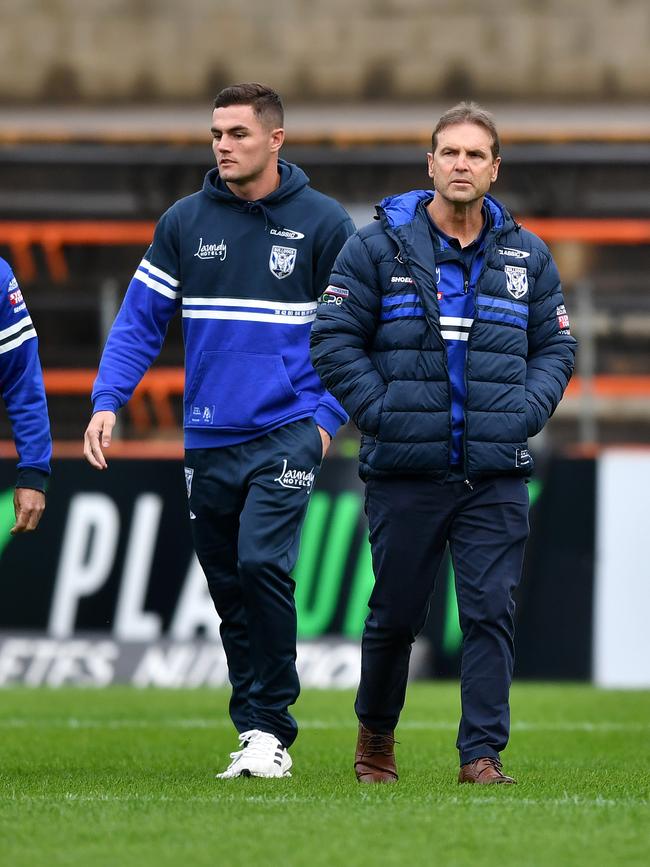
point(21, 385)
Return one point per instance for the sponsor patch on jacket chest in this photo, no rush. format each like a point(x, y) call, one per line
point(513, 252)
point(282, 261)
point(516, 280)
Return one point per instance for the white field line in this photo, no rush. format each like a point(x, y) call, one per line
point(325, 725)
point(475, 801)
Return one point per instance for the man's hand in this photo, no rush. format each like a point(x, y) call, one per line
point(97, 437)
point(28, 508)
point(325, 438)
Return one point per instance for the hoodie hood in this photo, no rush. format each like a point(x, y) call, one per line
point(292, 181)
point(400, 210)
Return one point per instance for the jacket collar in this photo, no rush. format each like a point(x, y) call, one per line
point(404, 219)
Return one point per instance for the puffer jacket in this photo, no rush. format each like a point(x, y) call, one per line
point(378, 347)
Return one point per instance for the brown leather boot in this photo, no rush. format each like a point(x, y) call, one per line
point(374, 760)
point(485, 770)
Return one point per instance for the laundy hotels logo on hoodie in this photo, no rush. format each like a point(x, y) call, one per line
point(282, 261)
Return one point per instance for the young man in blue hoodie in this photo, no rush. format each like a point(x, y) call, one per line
point(245, 259)
point(449, 348)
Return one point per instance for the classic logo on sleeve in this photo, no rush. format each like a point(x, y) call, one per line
point(563, 323)
point(516, 280)
point(282, 261)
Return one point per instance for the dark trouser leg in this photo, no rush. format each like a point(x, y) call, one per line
point(408, 525)
point(269, 537)
point(487, 541)
point(216, 499)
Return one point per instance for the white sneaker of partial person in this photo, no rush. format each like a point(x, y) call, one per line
point(261, 755)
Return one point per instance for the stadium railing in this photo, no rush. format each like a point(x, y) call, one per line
point(152, 404)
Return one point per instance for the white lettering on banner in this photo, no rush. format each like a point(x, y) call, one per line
point(87, 557)
point(194, 610)
point(327, 665)
point(43, 662)
point(132, 622)
point(173, 666)
point(98, 663)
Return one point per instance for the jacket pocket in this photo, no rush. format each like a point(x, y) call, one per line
point(238, 391)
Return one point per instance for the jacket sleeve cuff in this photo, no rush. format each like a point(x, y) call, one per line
point(329, 420)
point(33, 478)
point(106, 402)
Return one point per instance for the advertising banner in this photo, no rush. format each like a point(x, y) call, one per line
point(109, 589)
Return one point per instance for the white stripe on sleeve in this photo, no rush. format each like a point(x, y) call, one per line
point(17, 326)
point(14, 344)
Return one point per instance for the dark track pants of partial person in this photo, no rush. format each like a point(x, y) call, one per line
point(249, 503)
point(411, 520)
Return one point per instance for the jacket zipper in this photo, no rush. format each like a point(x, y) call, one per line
point(491, 235)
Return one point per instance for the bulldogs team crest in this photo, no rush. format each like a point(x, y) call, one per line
point(189, 475)
point(282, 261)
point(516, 280)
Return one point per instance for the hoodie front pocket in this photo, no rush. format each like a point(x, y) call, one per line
point(238, 391)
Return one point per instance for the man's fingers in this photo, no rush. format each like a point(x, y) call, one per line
point(107, 431)
point(92, 451)
point(98, 435)
point(28, 508)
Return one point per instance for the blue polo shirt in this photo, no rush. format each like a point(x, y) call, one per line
point(457, 272)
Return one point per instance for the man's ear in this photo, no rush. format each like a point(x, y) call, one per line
point(277, 139)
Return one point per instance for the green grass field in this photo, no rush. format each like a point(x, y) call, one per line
point(121, 777)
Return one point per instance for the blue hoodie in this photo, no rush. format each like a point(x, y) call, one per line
point(21, 384)
point(247, 276)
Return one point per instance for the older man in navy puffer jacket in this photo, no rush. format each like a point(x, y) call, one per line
point(444, 335)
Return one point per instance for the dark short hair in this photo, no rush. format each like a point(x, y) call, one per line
point(468, 112)
point(264, 101)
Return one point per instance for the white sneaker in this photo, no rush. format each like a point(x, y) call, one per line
point(261, 755)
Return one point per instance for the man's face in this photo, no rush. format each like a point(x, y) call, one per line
point(243, 145)
point(462, 167)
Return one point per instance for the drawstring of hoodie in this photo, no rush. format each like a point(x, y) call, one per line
point(259, 208)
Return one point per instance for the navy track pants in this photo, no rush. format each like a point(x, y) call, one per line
point(411, 521)
point(247, 506)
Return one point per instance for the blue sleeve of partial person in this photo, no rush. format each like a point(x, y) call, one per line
point(137, 335)
point(21, 385)
point(348, 315)
point(329, 414)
